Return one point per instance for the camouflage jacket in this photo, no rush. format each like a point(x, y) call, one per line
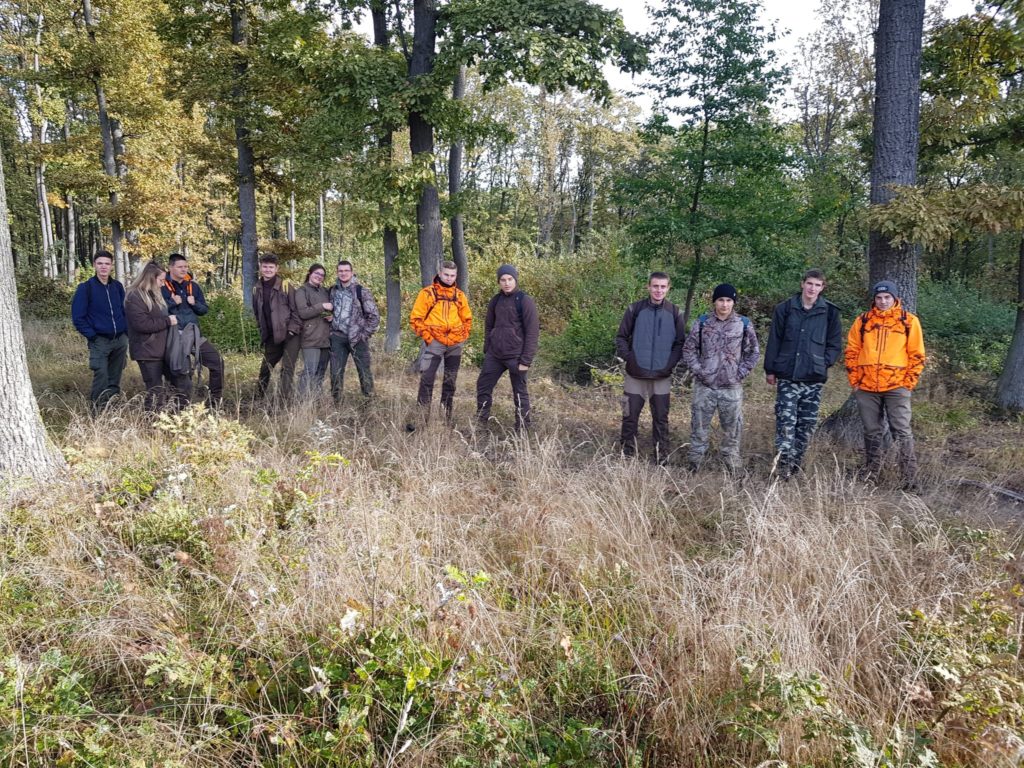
point(364, 317)
point(721, 353)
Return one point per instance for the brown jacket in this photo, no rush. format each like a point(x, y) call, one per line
point(147, 328)
point(308, 304)
point(283, 321)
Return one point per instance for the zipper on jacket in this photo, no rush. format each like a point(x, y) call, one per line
point(113, 320)
point(657, 330)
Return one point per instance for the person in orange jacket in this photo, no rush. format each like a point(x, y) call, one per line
point(442, 318)
point(884, 360)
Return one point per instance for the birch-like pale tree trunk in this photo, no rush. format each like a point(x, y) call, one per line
point(25, 450)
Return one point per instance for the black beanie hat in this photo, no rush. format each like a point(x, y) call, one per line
point(508, 269)
point(723, 291)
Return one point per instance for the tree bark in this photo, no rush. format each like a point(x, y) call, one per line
point(107, 128)
point(39, 130)
point(291, 217)
point(71, 223)
point(895, 134)
point(421, 141)
point(25, 450)
point(455, 187)
point(246, 161)
point(1010, 392)
point(392, 278)
point(320, 209)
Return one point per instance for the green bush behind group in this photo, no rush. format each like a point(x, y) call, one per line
point(581, 298)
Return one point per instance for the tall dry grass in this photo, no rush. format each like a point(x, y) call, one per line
point(170, 601)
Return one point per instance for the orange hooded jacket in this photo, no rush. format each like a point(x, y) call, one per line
point(441, 313)
point(888, 353)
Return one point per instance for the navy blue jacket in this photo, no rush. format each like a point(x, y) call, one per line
point(650, 339)
point(803, 343)
point(98, 309)
point(185, 312)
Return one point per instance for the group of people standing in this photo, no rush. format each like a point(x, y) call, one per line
point(884, 359)
point(155, 322)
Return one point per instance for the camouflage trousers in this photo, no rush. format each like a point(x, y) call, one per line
point(728, 402)
point(796, 417)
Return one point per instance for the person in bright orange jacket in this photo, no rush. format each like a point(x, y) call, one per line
point(884, 360)
point(442, 318)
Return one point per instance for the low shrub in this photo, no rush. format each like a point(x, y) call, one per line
point(42, 297)
point(228, 324)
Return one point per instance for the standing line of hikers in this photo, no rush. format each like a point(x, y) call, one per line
point(156, 323)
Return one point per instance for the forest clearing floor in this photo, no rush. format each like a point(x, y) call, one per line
point(322, 586)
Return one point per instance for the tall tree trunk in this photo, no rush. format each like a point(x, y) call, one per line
point(392, 280)
point(39, 126)
point(548, 150)
point(896, 133)
point(421, 142)
point(107, 126)
point(291, 217)
point(455, 187)
point(1010, 393)
point(71, 220)
point(25, 450)
point(246, 162)
point(70, 237)
point(320, 208)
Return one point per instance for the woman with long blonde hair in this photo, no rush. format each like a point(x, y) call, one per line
point(148, 326)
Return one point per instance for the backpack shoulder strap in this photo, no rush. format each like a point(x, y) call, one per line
point(863, 322)
point(519, 309)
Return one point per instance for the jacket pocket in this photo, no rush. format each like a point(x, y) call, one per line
point(818, 367)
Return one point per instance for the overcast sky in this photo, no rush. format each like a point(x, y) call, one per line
point(794, 19)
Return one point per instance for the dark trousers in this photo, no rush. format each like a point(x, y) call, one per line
point(632, 407)
point(214, 363)
point(341, 348)
point(286, 353)
point(430, 361)
point(107, 358)
point(154, 375)
point(490, 372)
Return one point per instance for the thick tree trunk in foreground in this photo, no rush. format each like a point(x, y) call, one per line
point(1010, 393)
point(421, 141)
point(895, 133)
point(246, 161)
point(455, 187)
point(25, 450)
